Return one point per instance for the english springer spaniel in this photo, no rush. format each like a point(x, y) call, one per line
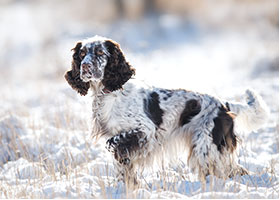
point(142, 123)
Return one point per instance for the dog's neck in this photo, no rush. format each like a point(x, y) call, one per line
point(97, 88)
point(99, 94)
point(101, 105)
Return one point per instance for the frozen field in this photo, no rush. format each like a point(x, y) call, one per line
point(45, 145)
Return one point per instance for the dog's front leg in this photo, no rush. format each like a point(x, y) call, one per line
point(125, 145)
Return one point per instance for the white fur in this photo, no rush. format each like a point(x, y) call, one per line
point(252, 115)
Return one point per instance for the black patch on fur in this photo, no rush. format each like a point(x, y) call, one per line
point(223, 134)
point(117, 71)
point(73, 76)
point(152, 108)
point(192, 108)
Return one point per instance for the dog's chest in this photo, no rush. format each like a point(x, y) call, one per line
point(119, 112)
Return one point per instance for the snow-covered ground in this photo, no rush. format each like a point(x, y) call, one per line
point(45, 145)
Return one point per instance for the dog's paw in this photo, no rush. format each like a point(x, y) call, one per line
point(118, 149)
point(124, 145)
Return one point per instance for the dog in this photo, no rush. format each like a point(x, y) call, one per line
point(140, 123)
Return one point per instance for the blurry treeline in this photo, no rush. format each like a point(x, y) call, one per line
point(32, 28)
point(214, 12)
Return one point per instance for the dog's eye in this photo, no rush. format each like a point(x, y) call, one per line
point(82, 54)
point(99, 52)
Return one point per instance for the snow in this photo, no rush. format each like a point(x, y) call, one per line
point(45, 146)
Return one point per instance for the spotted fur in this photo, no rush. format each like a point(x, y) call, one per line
point(142, 123)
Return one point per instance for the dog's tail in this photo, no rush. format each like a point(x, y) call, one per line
point(252, 115)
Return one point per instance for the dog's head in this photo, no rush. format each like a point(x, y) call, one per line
point(98, 60)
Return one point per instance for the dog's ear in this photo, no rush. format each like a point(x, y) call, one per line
point(117, 71)
point(73, 76)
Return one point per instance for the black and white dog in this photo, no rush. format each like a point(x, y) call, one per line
point(142, 123)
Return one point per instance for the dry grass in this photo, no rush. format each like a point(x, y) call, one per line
point(76, 174)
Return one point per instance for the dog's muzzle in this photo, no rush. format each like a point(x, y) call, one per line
point(90, 71)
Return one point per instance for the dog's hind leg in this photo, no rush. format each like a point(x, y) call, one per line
point(206, 159)
point(198, 158)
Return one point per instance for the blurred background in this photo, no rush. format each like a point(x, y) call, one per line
point(193, 44)
point(216, 46)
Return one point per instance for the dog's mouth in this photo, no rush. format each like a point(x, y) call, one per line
point(91, 74)
point(96, 74)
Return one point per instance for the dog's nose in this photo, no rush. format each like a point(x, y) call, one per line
point(85, 67)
